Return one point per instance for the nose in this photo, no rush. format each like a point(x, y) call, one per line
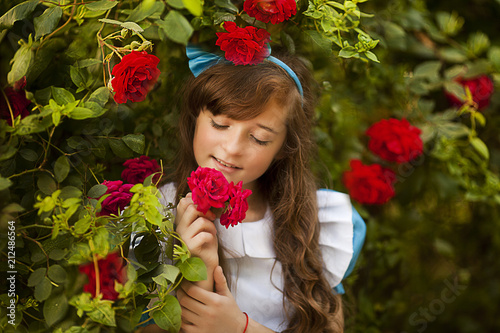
point(234, 143)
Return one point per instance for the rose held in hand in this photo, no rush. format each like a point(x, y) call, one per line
point(134, 76)
point(209, 188)
point(395, 140)
point(238, 205)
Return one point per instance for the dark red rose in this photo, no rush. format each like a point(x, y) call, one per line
point(243, 46)
point(111, 269)
point(238, 205)
point(209, 188)
point(138, 169)
point(134, 76)
point(119, 197)
point(395, 140)
point(480, 88)
point(369, 184)
point(17, 101)
point(274, 11)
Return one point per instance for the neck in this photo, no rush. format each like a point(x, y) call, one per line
point(257, 206)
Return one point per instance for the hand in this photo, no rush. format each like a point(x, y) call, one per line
point(205, 311)
point(198, 231)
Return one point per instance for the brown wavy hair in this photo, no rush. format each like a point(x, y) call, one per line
point(242, 92)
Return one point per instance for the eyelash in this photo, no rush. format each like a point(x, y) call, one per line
point(220, 127)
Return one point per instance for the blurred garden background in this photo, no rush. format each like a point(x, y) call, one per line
point(430, 260)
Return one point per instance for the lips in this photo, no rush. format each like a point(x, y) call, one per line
point(229, 165)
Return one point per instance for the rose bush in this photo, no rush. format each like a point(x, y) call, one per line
point(480, 87)
point(369, 184)
point(395, 140)
point(111, 270)
point(138, 169)
point(243, 46)
point(117, 197)
point(274, 11)
point(134, 76)
point(17, 102)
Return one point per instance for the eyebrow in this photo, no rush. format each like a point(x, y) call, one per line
point(267, 128)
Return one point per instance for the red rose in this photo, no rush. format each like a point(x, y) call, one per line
point(138, 169)
point(119, 197)
point(111, 269)
point(17, 101)
point(134, 76)
point(275, 11)
point(395, 140)
point(243, 46)
point(480, 88)
point(369, 184)
point(209, 188)
point(238, 205)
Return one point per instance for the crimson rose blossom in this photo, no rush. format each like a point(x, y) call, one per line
point(138, 169)
point(209, 188)
point(134, 76)
point(243, 46)
point(238, 205)
point(395, 140)
point(274, 11)
point(17, 100)
point(119, 197)
point(369, 184)
point(480, 88)
point(111, 269)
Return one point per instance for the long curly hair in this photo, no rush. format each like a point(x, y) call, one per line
point(242, 92)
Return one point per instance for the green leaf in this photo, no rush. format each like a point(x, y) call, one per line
point(226, 4)
point(320, 40)
point(5, 183)
point(57, 274)
point(79, 76)
point(47, 22)
point(146, 9)
point(46, 184)
point(168, 316)
point(193, 269)
point(176, 27)
point(80, 113)
point(61, 168)
point(97, 191)
point(28, 155)
point(37, 276)
point(132, 26)
point(168, 273)
point(55, 308)
point(480, 147)
point(428, 70)
point(62, 96)
point(100, 96)
point(195, 7)
point(22, 61)
point(87, 63)
point(81, 226)
point(19, 12)
point(109, 21)
point(177, 4)
point(136, 142)
point(103, 313)
point(119, 148)
point(43, 289)
point(101, 5)
point(455, 89)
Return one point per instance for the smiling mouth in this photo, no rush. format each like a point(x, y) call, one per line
point(225, 164)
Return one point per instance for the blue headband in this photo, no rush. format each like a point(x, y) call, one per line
point(200, 60)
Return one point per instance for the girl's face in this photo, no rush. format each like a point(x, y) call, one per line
point(241, 149)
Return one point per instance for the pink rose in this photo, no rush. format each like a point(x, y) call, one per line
point(238, 205)
point(209, 188)
point(138, 169)
point(119, 197)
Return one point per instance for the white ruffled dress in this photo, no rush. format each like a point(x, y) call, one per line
point(255, 284)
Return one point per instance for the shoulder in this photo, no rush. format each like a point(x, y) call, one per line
point(342, 235)
point(168, 192)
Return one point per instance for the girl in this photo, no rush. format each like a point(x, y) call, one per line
point(276, 270)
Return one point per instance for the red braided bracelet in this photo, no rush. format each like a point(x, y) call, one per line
point(246, 325)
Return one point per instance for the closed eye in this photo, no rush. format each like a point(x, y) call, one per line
point(217, 126)
point(260, 142)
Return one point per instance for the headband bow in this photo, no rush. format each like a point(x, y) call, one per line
point(200, 60)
